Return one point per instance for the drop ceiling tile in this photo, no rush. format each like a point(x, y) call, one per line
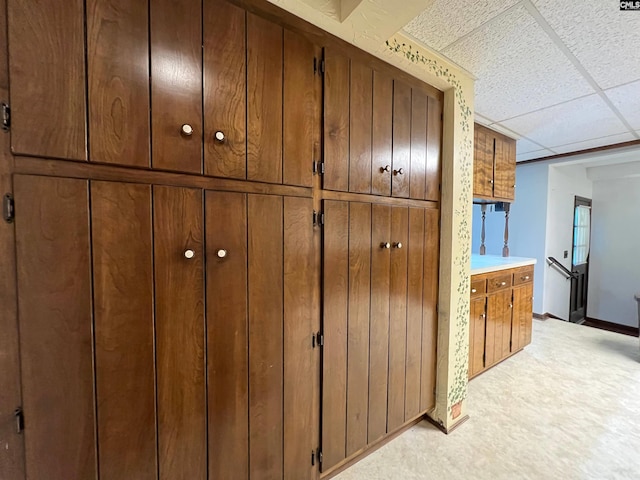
point(604, 39)
point(525, 145)
point(444, 22)
point(535, 154)
point(627, 100)
point(519, 68)
point(594, 143)
point(575, 121)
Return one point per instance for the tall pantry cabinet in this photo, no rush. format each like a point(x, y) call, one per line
point(227, 242)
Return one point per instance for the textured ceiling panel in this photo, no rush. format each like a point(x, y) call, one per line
point(519, 68)
point(627, 99)
point(444, 21)
point(604, 39)
point(571, 122)
point(535, 154)
point(595, 142)
point(525, 146)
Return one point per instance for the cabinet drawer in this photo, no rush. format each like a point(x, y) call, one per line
point(523, 275)
point(478, 286)
point(498, 282)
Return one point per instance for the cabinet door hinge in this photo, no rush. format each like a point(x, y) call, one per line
point(6, 116)
point(318, 218)
point(484, 359)
point(322, 66)
point(318, 339)
point(318, 168)
point(8, 208)
point(19, 416)
point(313, 458)
point(319, 456)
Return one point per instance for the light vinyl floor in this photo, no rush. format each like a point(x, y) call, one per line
point(567, 407)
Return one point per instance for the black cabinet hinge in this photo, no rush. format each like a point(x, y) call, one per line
point(318, 218)
point(319, 456)
point(5, 115)
point(19, 419)
point(322, 66)
point(317, 340)
point(318, 168)
point(8, 208)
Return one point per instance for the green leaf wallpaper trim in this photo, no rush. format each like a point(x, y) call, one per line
point(458, 388)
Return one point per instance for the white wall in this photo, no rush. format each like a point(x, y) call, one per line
point(527, 224)
point(565, 183)
point(614, 266)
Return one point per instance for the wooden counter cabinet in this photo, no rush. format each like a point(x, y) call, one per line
point(501, 313)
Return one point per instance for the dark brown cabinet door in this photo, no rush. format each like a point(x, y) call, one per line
point(358, 325)
point(56, 343)
point(429, 310)
point(482, 162)
point(225, 90)
point(360, 115)
point(180, 332)
point(176, 84)
point(121, 225)
point(418, 154)
point(47, 70)
point(336, 121)
point(522, 316)
point(498, 328)
point(118, 81)
point(401, 167)
point(477, 335)
point(335, 325)
point(397, 317)
point(382, 131)
point(379, 328)
point(434, 149)
point(505, 168)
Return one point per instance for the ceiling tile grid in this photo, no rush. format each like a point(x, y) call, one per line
point(444, 22)
point(524, 145)
point(604, 39)
point(535, 154)
point(594, 143)
point(627, 99)
point(518, 67)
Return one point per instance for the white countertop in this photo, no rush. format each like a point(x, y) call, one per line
point(491, 263)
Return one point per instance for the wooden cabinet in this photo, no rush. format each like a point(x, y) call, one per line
point(380, 280)
point(382, 135)
point(494, 165)
point(137, 367)
point(501, 316)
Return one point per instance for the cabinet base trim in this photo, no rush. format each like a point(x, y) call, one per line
point(444, 429)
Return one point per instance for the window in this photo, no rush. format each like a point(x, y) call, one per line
point(581, 229)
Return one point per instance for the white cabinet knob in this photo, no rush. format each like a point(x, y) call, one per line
point(397, 245)
point(385, 245)
point(473, 290)
point(189, 254)
point(187, 130)
point(219, 136)
point(222, 253)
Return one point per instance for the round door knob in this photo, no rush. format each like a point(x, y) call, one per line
point(503, 284)
point(400, 171)
point(386, 168)
point(219, 136)
point(222, 253)
point(397, 245)
point(187, 130)
point(473, 290)
point(385, 245)
point(525, 278)
point(491, 182)
point(189, 253)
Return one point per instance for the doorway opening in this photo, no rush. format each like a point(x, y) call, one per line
point(580, 259)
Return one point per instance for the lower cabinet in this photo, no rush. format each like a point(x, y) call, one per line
point(165, 332)
point(501, 315)
point(379, 323)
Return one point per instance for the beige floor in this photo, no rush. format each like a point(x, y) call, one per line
point(567, 407)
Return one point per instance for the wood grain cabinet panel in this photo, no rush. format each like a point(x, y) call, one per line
point(477, 335)
point(56, 343)
point(360, 115)
point(225, 90)
point(401, 167)
point(121, 225)
point(382, 130)
point(434, 149)
point(264, 99)
point(494, 165)
point(522, 316)
point(180, 332)
point(176, 84)
point(336, 121)
point(118, 80)
point(227, 334)
point(47, 72)
point(418, 179)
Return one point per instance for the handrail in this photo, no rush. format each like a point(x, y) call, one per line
point(563, 269)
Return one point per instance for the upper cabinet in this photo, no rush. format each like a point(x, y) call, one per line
point(382, 136)
point(180, 86)
point(494, 165)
